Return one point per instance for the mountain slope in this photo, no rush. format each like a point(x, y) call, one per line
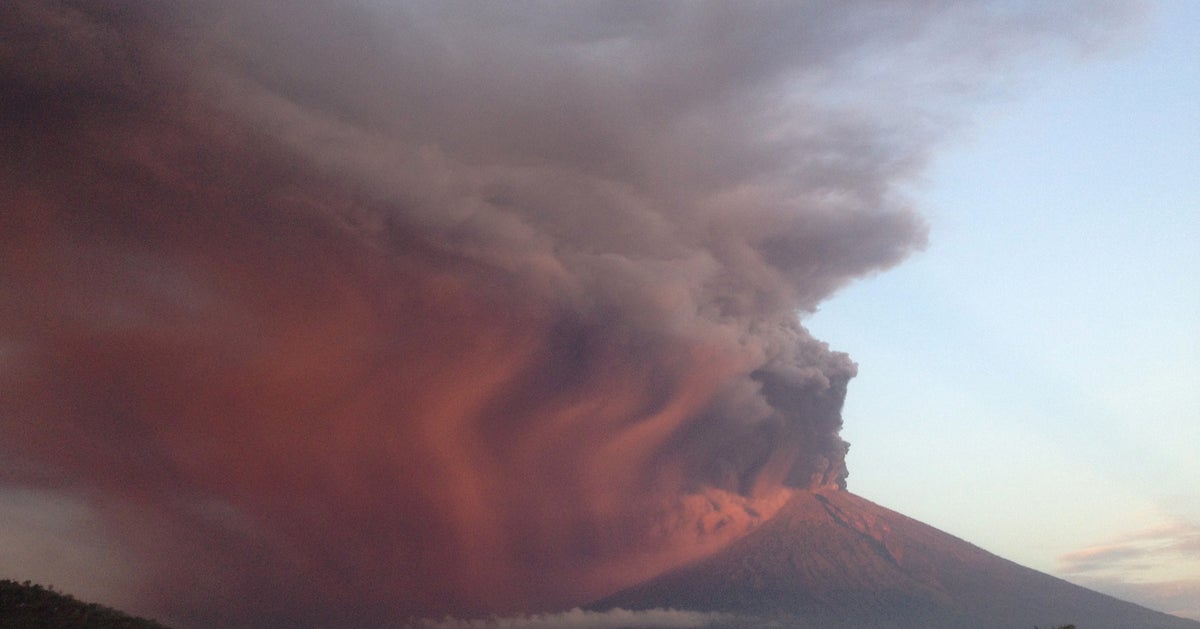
point(833, 559)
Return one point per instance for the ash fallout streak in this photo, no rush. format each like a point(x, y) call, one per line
point(341, 314)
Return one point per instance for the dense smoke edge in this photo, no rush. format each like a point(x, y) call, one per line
point(527, 307)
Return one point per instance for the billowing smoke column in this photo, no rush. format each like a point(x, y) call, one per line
point(341, 314)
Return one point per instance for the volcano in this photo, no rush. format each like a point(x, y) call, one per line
point(832, 559)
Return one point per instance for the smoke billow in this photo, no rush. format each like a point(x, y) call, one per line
point(340, 314)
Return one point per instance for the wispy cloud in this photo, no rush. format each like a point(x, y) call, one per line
point(1155, 567)
point(1143, 549)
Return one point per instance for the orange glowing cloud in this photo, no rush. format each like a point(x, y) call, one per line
point(336, 314)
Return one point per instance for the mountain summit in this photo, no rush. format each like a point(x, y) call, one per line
point(832, 559)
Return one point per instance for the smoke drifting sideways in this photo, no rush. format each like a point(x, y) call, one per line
point(344, 313)
point(614, 618)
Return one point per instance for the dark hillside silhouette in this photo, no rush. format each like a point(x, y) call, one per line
point(31, 606)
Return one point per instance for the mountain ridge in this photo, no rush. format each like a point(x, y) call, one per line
point(831, 559)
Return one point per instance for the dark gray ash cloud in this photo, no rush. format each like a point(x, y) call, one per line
point(339, 312)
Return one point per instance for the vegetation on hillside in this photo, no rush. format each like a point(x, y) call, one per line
point(31, 606)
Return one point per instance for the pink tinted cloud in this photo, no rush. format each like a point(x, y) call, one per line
point(331, 314)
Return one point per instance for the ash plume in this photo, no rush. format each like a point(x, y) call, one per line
point(342, 313)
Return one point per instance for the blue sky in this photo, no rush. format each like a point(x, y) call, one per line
point(1031, 382)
